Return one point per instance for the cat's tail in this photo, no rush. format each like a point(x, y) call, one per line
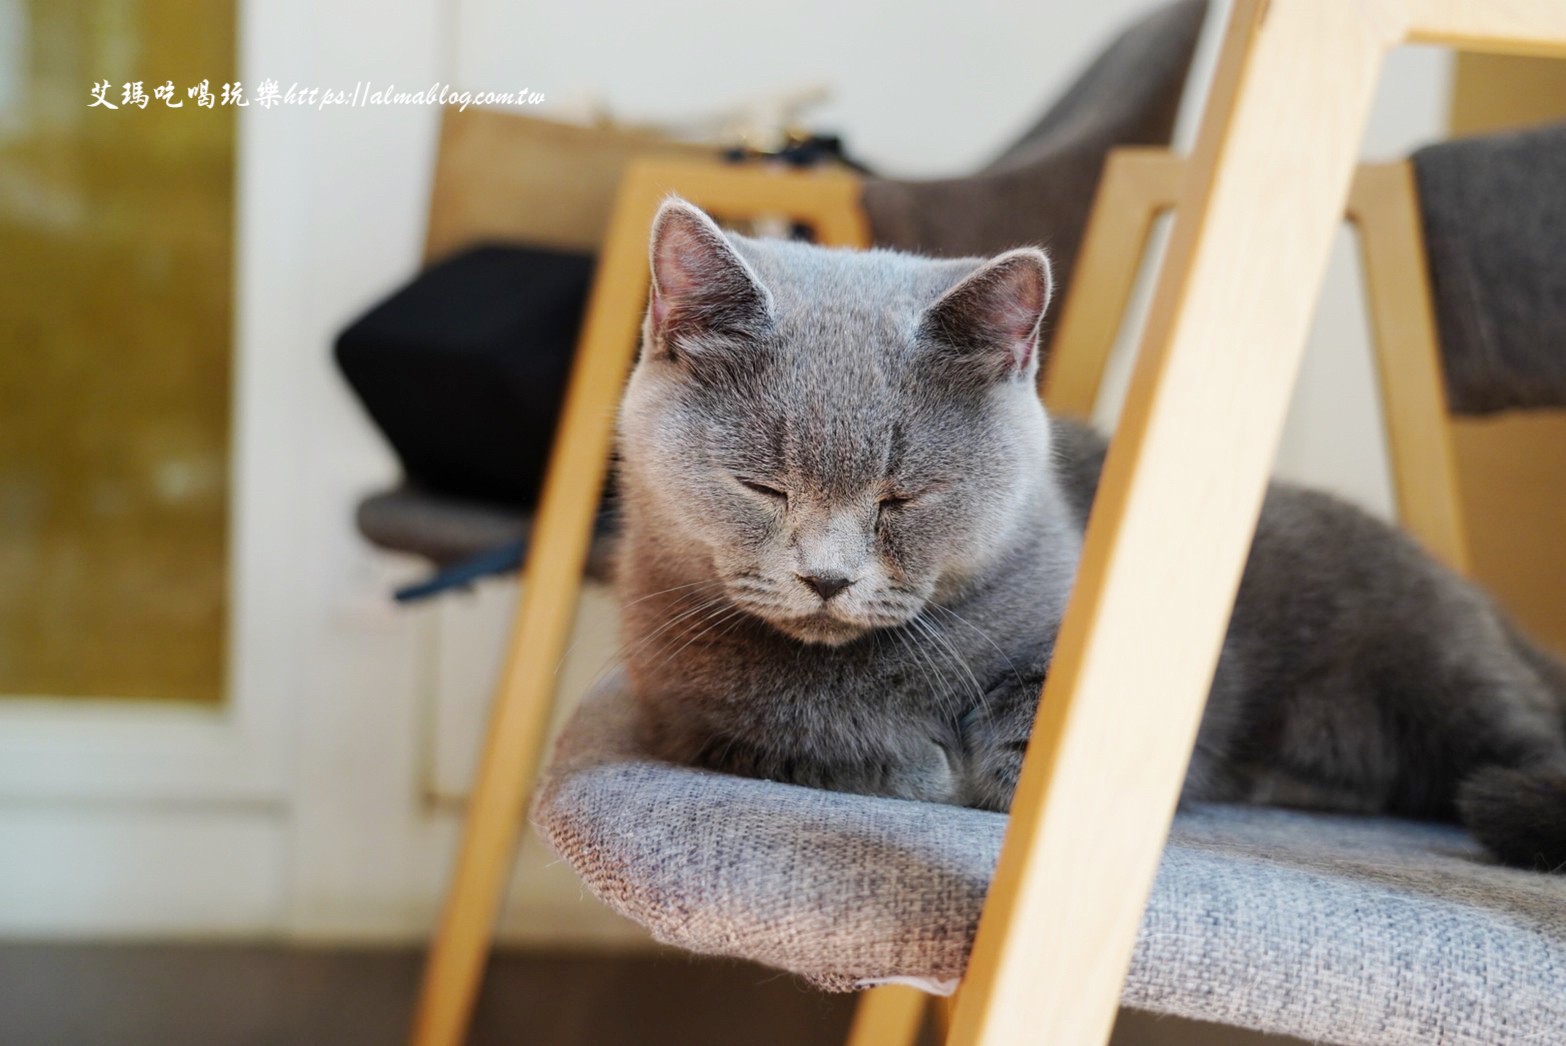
point(1519, 813)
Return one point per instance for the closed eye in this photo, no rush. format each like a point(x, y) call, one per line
point(889, 505)
point(892, 502)
point(763, 488)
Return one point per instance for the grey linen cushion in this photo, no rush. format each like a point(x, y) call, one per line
point(1344, 929)
point(441, 528)
point(445, 529)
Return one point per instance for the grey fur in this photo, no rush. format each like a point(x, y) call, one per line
point(869, 418)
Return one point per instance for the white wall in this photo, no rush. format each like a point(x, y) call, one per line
point(920, 87)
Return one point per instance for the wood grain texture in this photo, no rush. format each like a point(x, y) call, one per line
point(511, 178)
point(891, 1015)
point(551, 582)
point(1384, 206)
point(1138, 184)
point(1167, 539)
point(1519, 27)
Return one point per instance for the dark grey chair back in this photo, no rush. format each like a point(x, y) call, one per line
point(1039, 191)
point(1494, 216)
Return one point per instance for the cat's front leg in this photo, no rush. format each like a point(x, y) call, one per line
point(995, 735)
point(905, 768)
point(919, 768)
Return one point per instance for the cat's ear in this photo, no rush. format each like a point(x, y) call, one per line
point(700, 284)
point(992, 318)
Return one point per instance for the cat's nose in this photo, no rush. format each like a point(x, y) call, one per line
point(826, 585)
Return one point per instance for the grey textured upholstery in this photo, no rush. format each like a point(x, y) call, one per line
point(1040, 190)
point(1344, 929)
point(1494, 215)
point(441, 529)
point(446, 530)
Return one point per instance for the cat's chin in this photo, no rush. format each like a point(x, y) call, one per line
point(823, 629)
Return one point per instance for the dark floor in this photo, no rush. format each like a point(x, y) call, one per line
point(230, 995)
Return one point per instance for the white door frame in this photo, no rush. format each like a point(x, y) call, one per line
point(151, 817)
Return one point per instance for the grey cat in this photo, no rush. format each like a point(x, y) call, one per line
point(850, 530)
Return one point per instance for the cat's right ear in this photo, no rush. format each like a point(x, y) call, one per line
point(990, 321)
point(701, 287)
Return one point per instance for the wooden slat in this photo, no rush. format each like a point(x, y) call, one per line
point(826, 200)
point(1383, 204)
point(891, 1015)
point(1136, 187)
point(1525, 27)
point(1169, 535)
point(551, 581)
point(1138, 184)
point(505, 177)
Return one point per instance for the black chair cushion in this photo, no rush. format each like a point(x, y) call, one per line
point(464, 368)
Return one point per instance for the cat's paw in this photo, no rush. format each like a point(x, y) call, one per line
point(922, 770)
point(929, 771)
point(991, 777)
point(995, 737)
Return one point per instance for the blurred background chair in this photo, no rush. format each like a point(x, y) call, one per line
point(492, 169)
point(1039, 190)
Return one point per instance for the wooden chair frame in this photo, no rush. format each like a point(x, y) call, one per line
point(1257, 207)
point(1140, 184)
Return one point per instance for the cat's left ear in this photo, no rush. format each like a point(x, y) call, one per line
point(992, 318)
point(700, 284)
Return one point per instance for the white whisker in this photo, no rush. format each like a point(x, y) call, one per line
point(982, 634)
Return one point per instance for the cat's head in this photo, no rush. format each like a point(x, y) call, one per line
point(841, 437)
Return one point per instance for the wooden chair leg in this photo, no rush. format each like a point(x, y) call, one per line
point(1136, 187)
point(562, 530)
point(891, 1015)
point(941, 1011)
point(550, 585)
point(1169, 534)
point(1384, 207)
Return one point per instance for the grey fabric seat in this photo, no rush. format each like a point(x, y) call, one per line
point(440, 528)
point(446, 530)
point(1349, 930)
